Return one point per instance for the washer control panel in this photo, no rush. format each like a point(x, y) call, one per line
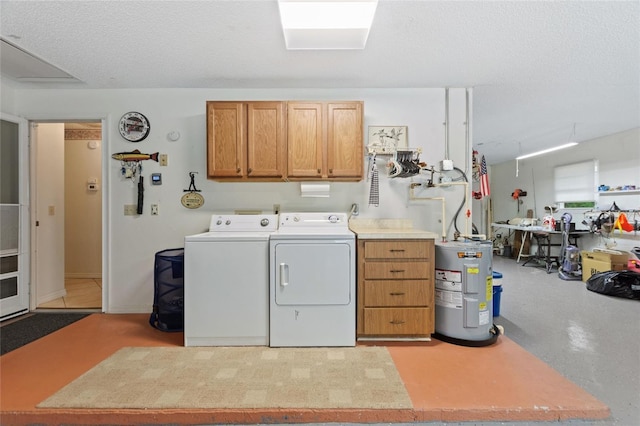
point(243, 223)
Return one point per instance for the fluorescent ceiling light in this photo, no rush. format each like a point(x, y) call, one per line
point(544, 151)
point(326, 24)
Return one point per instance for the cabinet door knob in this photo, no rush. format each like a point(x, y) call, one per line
point(319, 171)
point(238, 170)
point(396, 250)
point(249, 171)
point(396, 322)
point(330, 171)
point(396, 294)
point(396, 270)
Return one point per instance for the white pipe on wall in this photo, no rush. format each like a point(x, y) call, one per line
point(467, 147)
point(465, 186)
point(441, 199)
point(446, 123)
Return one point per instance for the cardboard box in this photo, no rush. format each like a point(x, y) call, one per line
point(597, 261)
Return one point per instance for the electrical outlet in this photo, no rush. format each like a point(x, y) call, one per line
point(130, 210)
point(164, 160)
point(154, 210)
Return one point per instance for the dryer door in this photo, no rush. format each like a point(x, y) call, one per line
point(313, 273)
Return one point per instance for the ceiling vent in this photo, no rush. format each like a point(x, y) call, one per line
point(22, 66)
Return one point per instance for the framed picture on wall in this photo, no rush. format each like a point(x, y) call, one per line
point(387, 139)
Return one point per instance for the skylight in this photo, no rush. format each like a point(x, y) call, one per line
point(326, 24)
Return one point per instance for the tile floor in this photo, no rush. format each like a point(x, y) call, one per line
point(569, 356)
point(82, 293)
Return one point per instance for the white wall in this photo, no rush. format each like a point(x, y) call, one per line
point(83, 209)
point(133, 241)
point(618, 156)
point(6, 96)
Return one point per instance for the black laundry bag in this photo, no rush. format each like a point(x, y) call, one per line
point(168, 295)
point(616, 283)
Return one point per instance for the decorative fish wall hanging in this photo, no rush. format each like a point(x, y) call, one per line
point(135, 156)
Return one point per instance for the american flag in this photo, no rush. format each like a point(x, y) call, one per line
point(484, 179)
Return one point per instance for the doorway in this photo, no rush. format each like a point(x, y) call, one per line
point(67, 172)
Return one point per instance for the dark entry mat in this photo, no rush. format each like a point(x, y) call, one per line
point(33, 327)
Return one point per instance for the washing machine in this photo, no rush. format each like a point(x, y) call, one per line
point(226, 282)
point(312, 290)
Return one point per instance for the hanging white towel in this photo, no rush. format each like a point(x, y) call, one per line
point(374, 192)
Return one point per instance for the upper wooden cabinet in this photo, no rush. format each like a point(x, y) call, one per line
point(246, 140)
point(284, 140)
point(324, 140)
point(305, 140)
point(344, 140)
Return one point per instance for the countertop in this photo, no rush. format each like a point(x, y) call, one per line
point(388, 229)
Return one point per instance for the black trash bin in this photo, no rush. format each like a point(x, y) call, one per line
point(168, 295)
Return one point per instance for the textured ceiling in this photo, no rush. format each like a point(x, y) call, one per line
point(537, 68)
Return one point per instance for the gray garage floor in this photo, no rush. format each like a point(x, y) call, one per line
point(591, 339)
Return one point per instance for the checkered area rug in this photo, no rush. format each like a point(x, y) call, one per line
point(238, 377)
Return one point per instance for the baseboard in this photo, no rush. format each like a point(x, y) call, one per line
point(129, 309)
point(82, 275)
point(51, 296)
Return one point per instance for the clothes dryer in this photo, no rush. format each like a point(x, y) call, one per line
point(312, 288)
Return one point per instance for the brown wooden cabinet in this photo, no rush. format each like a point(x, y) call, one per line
point(324, 140)
point(246, 140)
point(395, 288)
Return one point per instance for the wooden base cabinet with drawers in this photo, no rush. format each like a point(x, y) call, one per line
point(395, 288)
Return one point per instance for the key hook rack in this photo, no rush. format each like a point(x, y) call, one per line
point(405, 163)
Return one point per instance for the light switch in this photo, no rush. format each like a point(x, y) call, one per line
point(92, 184)
point(52, 210)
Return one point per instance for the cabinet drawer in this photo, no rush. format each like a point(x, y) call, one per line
point(397, 293)
point(397, 321)
point(403, 249)
point(396, 270)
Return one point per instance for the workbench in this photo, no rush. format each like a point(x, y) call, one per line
point(543, 240)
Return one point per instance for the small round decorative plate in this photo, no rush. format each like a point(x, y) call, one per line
point(192, 200)
point(134, 126)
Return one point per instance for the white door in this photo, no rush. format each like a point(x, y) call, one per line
point(14, 217)
point(312, 274)
point(47, 140)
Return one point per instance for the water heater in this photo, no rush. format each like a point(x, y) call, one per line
point(464, 293)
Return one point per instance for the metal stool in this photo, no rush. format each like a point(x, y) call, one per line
point(543, 240)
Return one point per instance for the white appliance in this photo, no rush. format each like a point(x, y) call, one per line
point(226, 282)
point(312, 289)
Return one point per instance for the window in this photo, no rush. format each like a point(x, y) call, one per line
point(575, 184)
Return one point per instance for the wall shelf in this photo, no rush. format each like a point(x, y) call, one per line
point(629, 191)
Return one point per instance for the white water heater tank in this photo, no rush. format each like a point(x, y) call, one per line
point(464, 293)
